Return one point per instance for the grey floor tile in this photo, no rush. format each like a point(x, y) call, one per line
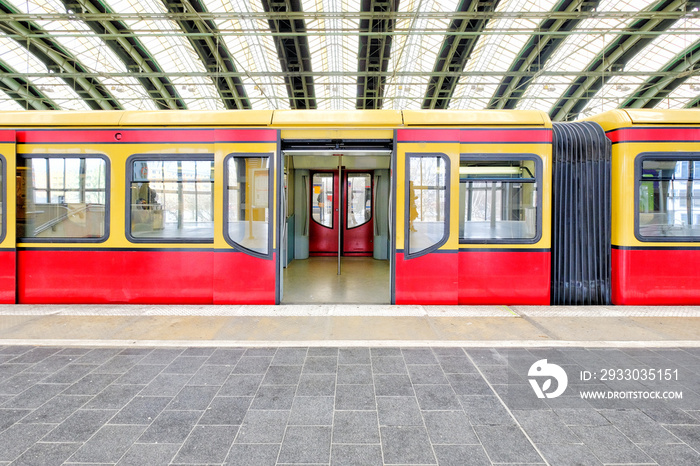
point(149, 454)
point(320, 364)
point(687, 434)
point(355, 397)
point(558, 454)
point(312, 411)
point(91, 384)
point(241, 385)
point(426, 374)
point(260, 352)
point(211, 375)
point(141, 410)
point(398, 411)
point(242, 454)
point(354, 356)
point(436, 397)
point(114, 397)
point(355, 374)
point(545, 427)
point(386, 351)
point(487, 357)
point(226, 410)
point(323, 351)
point(118, 364)
point(406, 445)
point(262, 426)
point(194, 398)
point(11, 416)
point(80, 426)
point(170, 427)
point(70, 373)
point(207, 444)
point(35, 396)
point(665, 413)
point(456, 365)
point(9, 370)
point(98, 356)
point(520, 397)
point(449, 427)
point(252, 365)
point(393, 385)
point(316, 385)
point(20, 382)
point(161, 356)
point(185, 365)
point(199, 351)
point(108, 445)
point(52, 364)
point(502, 375)
point(225, 356)
point(418, 356)
point(140, 374)
point(485, 410)
point(46, 454)
point(609, 445)
point(289, 357)
point(166, 385)
point(580, 417)
point(389, 365)
point(136, 351)
point(461, 455)
point(19, 437)
point(507, 444)
point(306, 444)
point(282, 375)
point(274, 397)
point(355, 427)
point(672, 455)
point(356, 455)
point(469, 384)
point(638, 427)
point(57, 409)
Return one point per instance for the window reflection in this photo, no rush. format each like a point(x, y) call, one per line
point(248, 202)
point(359, 206)
point(426, 199)
point(322, 199)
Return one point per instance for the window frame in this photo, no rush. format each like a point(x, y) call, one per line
point(270, 196)
point(333, 175)
point(371, 197)
point(3, 211)
point(507, 157)
point(407, 208)
point(638, 166)
point(127, 193)
point(108, 194)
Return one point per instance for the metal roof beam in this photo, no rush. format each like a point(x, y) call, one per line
point(293, 51)
point(374, 52)
point(212, 51)
point(130, 51)
point(59, 61)
point(655, 89)
point(537, 51)
point(454, 53)
point(614, 58)
point(22, 91)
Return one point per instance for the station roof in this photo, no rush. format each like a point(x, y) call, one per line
point(569, 58)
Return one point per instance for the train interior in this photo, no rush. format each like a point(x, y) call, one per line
point(337, 240)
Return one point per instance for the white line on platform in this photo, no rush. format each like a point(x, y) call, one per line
point(357, 343)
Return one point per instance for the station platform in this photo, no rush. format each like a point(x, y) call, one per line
point(349, 385)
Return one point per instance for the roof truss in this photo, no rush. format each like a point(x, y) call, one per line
point(22, 91)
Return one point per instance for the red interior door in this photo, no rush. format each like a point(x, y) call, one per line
point(355, 219)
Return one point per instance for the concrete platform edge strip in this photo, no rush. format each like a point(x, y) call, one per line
point(358, 343)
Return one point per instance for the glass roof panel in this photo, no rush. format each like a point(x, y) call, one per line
point(653, 57)
point(253, 49)
point(415, 49)
point(577, 52)
point(165, 42)
point(496, 52)
point(683, 95)
point(333, 51)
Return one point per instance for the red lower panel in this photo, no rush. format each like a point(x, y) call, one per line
point(429, 279)
point(156, 277)
point(8, 259)
point(243, 279)
point(494, 277)
point(655, 277)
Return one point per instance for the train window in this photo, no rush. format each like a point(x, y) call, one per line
point(427, 200)
point(669, 197)
point(322, 199)
point(497, 200)
point(359, 209)
point(62, 198)
point(247, 199)
point(171, 199)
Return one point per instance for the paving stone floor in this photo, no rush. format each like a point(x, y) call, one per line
point(342, 406)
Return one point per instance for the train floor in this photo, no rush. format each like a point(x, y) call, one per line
point(362, 280)
point(342, 384)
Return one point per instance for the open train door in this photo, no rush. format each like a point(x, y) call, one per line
point(8, 262)
point(246, 244)
point(426, 260)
